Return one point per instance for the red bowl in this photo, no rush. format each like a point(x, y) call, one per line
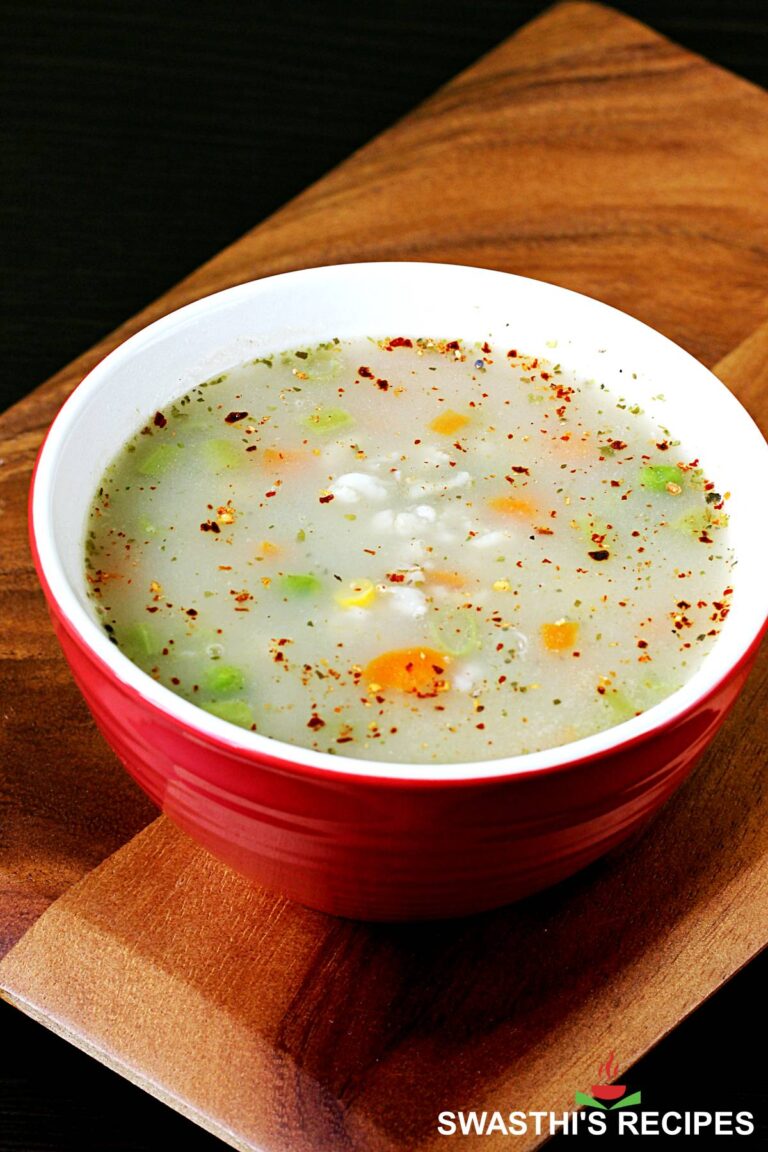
point(348, 836)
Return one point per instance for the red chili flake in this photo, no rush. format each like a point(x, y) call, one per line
point(365, 372)
point(151, 607)
point(315, 722)
point(512, 354)
point(642, 643)
point(617, 445)
point(370, 551)
point(663, 446)
point(175, 680)
point(252, 448)
point(599, 554)
point(400, 342)
point(705, 538)
point(233, 417)
point(452, 346)
point(615, 483)
point(395, 577)
point(544, 531)
point(325, 499)
point(192, 612)
point(382, 385)
point(272, 492)
point(159, 420)
point(518, 468)
point(210, 526)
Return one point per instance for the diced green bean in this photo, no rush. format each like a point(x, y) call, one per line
point(327, 420)
point(157, 460)
point(235, 711)
point(323, 365)
point(300, 584)
point(700, 520)
point(224, 680)
point(620, 705)
point(139, 642)
point(659, 478)
point(221, 454)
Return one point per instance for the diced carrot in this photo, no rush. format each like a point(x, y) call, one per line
point(512, 506)
point(267, 548)
point(417, 670)
point(449, 422)
point(574, 445)
point(281, 457)
point(446, 578)
point(560, 636)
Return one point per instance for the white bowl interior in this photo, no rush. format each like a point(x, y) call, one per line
point(169, 357)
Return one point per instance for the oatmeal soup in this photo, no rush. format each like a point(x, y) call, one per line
point(411, 550)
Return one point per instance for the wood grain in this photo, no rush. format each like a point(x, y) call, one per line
point(279, 1028)
point(587, 151)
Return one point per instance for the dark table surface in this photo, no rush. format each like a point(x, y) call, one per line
point(137, 140)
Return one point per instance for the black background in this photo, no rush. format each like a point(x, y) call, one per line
point(136, 141)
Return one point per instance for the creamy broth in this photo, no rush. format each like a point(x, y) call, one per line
point(411, 550)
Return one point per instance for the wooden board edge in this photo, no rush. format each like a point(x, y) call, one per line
point(125, 1070)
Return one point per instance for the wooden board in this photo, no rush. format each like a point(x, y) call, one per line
point(587, 151)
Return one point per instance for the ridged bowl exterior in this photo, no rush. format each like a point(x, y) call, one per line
point(392, 849)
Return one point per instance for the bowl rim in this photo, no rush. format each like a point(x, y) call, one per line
point(64, 604)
